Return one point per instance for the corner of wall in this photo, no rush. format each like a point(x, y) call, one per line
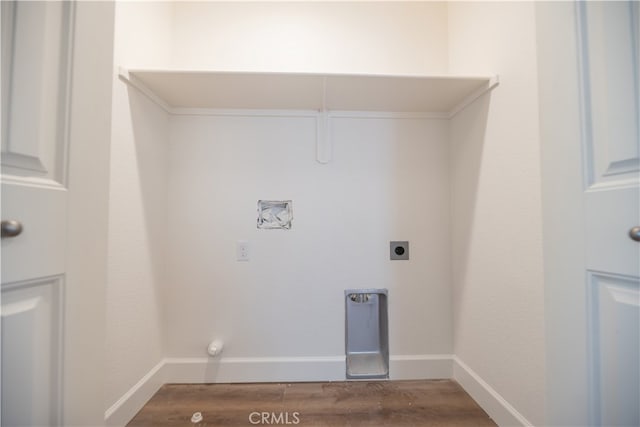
point(489, 399)
point(137, 207)
point(128, 405)
point(498, 303)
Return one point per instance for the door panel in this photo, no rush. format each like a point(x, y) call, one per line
point(614, 306)
point(36, 62)
point(57, 65)
point(35, 82)
point(588, 84)
point(31, 330)
point(608, 41)
point(609, 46)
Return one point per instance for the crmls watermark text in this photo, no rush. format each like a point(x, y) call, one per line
point(274, 418)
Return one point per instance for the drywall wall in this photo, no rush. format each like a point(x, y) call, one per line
point(88, 205)
point(338, 37)
point(498, 301)
point(137, 219)
point(567, 387)
point(388, 180)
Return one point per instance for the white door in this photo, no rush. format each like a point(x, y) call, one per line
point(54, 76)
point(590, 114)
point(610, 47)
point(35, 77)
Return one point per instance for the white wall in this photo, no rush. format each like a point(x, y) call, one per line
point(88, 204)
point(137, 210)
point(498, 300)
point(356, 37)
point(567, 387)
point(388, 181)
point(222, 161)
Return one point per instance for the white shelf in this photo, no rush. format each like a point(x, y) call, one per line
point(179, 91)
point(176, 90)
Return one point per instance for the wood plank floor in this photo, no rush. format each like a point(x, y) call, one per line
point(441, 403)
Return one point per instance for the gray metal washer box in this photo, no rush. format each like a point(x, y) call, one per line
point(366, 334)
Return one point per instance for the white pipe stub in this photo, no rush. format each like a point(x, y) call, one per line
point(215, 348)
point(197, 417)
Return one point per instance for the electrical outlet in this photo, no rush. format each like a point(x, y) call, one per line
point(242, 250)
point(399, 250)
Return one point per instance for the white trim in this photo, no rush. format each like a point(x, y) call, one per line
point(30, 181)
point(238, 112)
point(125, 408)
point(346, 114)
point(493, 82)
point(421, 367)
point(294, 369)
point(254, 369)
point(490, 400)
point(133, 81)
point(613, 185)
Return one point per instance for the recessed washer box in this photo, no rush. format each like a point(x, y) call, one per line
point(399, 250)
point(366, 334)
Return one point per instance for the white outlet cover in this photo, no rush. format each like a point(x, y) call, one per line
point(243, 250)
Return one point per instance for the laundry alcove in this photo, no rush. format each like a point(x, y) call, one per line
point(357, 179)
point(363, 159)
point(367, 153)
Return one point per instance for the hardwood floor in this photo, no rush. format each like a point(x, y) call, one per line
point(441, 403)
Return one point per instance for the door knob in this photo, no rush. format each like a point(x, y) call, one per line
point(634, 233)
point(11, 228)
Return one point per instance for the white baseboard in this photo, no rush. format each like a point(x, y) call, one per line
point(421, 367)
point(293, 369)
point(254, 369)
point(125, 408)
point(493, 404)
